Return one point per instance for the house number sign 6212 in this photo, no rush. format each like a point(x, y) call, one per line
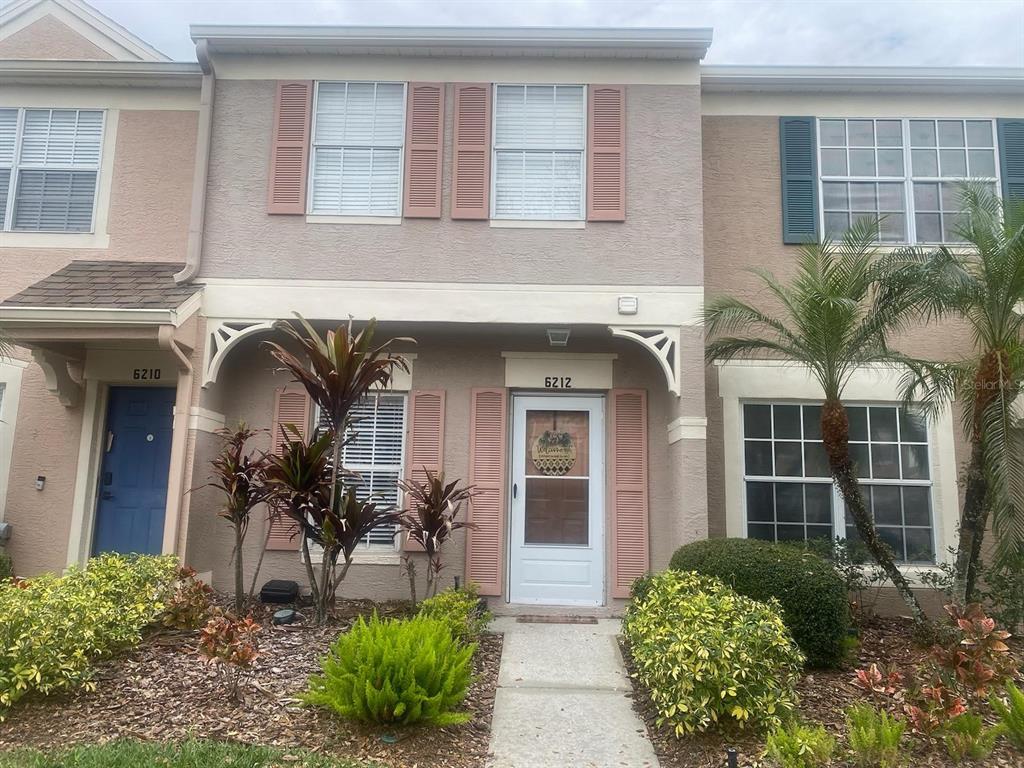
point(558, 382)
point(145, 374)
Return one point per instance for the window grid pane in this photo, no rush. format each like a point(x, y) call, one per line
point(789, 490)
point(358, 139)
point(539, 140)
point(375, 452)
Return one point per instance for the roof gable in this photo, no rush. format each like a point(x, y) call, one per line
point(67, 29)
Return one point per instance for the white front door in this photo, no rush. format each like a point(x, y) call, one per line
point(557, 508)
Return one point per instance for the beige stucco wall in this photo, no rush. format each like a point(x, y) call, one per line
point(743, 228)
point(147, 220)
point(49, 38)
point(658, 244)
point(455, 362)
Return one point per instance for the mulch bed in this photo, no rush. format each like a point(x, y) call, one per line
point(162, 691)
point(824, 697)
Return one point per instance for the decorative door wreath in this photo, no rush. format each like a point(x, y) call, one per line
point(554, 452)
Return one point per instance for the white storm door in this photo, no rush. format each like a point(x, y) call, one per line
point(556, 539)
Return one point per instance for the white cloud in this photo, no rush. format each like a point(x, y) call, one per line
point(847, 32)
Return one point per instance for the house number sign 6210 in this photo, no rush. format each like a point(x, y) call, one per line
point(145, 374)
point(558, 382)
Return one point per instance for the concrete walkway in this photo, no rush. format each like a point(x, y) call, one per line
point(563, 700)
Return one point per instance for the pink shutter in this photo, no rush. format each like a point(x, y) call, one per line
point(292, 405)
point(628, 474)
point(289, 150)
point(424, 447)
point(424, 145)
point(485, 543)
point(471, 188)
point(606, 153)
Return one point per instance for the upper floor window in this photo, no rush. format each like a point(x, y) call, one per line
point(374, 452)
point(904, 172)
point(49, 165)
point(790, 495)
point(539, 144)
point(358, 138)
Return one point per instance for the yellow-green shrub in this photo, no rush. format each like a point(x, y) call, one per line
point(52, 628)
point(460, 609)
point(395, 672)
point(709, 655)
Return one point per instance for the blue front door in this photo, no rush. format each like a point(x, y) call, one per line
point(133, 477)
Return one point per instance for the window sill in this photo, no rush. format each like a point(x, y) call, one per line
point(372, 556)
point(54, 240)
point(315, 218)
point(537, 224)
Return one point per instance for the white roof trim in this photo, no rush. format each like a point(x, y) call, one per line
point(15, 316)
point(940, 79)
point(137, 73)
point(82, 18)
point(669, 43)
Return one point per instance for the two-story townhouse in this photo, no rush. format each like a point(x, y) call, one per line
point(97, 156)
point(526, 205)
point(792, 154)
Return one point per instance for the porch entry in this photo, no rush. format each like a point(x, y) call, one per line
point(132, 488)
point(556, 541)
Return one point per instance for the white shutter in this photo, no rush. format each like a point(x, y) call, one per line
point(358, 135)
point(540, 134)
point(8, 135)
point(62, 137)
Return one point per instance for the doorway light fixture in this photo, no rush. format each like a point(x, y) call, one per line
point(558, 337)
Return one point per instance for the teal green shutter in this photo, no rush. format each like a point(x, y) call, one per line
point(1011, 160)
point(799, 156)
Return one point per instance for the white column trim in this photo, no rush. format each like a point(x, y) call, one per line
point(687, 428)
point(661, 341)
point(10, 375)
point(205, 420)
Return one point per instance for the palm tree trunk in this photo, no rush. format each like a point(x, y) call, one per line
point(239, 575)
point(972, 525)
point(835, 430)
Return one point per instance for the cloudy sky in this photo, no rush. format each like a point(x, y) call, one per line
point(846, 32)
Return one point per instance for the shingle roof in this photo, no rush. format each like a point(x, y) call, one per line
point(108, 285)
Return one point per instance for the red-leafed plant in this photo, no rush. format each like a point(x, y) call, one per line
point(430, 519)
point(878, 682)
point(188, 604)
point(978, 658)
point(230, 644)
point(239, 474)
point(929, 708)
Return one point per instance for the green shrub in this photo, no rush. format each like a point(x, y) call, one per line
point(814, 600)
point(52, 628)
point(460, 610)
point(709, 655)
point(800, 746)
point(6, 567)
point(967, 738)
point(395, 672)
point(1011, 714)
point(875, 737)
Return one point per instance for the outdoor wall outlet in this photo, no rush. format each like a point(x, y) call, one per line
point(5, 531)
point(40, 482)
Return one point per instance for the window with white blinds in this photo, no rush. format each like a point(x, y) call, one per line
point(539, 143)
point(375, 452)
point(358, 137)
point(49, 165)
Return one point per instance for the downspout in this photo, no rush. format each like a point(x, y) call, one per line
point(197, 216)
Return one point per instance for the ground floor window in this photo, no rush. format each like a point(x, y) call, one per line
point(374, 451)
point(789, 493)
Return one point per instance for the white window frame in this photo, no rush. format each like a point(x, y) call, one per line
point(17, 166)
point(366, 546)
point(908, 177)
point(495, 149)
point(838, 504)
point(365, 216)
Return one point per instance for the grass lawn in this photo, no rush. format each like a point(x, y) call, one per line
point(191, 754)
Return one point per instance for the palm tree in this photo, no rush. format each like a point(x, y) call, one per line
point(830, 323)
point(982, 285)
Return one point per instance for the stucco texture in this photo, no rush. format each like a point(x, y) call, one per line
point(658, 244)
point(455, 363)
point(49, 38)
point(743, 229)
point(147, 220)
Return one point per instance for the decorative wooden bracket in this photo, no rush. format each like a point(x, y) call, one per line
point(224, 335)
point(660, 341)
point(58, 379)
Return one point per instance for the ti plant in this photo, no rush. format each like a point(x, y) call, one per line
point(337, 371)
point(430, 520)
point(239, 475)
